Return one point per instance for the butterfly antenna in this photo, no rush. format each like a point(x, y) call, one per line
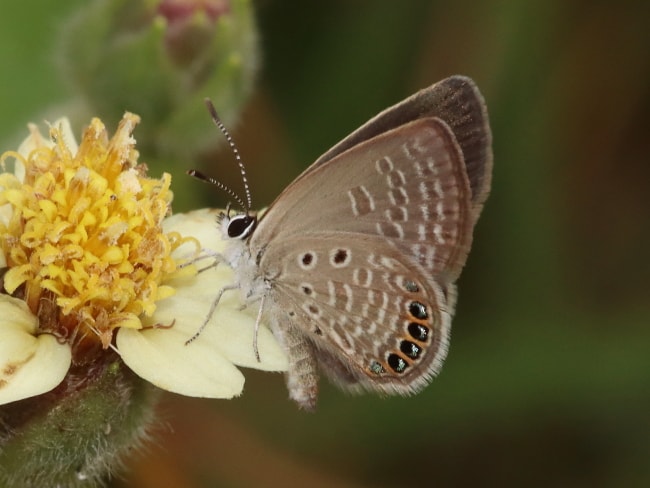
point(231, 143)
point(208, 179)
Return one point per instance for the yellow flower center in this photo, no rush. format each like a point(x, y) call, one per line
point(82, 233)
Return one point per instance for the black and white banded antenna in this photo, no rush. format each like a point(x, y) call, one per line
point(242, 170)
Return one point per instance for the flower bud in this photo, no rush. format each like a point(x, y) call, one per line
point(160, 60)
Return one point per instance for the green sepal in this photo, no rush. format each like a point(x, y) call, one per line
point(77, 434)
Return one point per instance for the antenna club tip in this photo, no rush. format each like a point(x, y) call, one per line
point(197, 174)
point(211, 109)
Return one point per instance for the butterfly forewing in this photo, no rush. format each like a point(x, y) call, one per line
point(455, 100)
point(407, 186)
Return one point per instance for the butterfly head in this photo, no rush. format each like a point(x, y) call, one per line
point(239, 226)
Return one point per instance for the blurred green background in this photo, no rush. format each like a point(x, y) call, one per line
point(547, 382)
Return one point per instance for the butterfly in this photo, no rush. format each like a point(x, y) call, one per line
point(354, 265)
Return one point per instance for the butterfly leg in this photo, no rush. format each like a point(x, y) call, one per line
point(206, 254)
point(302, 375)
point(257, 328)
point(213, 307)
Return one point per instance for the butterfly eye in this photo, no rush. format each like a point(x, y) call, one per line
point(241, 226)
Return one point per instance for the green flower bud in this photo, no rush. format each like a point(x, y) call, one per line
point(160, 60)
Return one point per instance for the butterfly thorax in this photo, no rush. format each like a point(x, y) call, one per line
point(236, 231)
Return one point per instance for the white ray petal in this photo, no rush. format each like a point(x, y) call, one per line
point(29, 365)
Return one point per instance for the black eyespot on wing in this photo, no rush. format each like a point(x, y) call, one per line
point(418, 310)
point(397, 363)
point(418, 332)
point(340, 256)
point(411, 349)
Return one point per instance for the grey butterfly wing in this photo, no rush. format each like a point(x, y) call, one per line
point(407, 185)
point(458, 102)
point(401, 204)
point(375, 319)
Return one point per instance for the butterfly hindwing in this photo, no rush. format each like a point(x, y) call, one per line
point(364, 304)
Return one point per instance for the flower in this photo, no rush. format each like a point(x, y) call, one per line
point(93, 265)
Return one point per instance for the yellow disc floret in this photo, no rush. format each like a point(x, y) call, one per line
point(83, 232)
